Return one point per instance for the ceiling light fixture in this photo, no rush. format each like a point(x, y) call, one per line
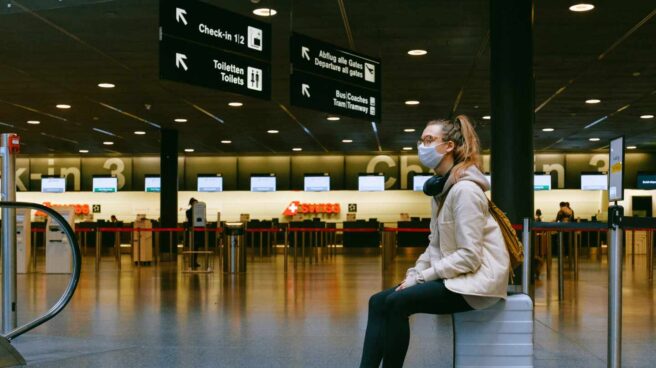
point(106, 85)
point(409, 130)
point(594, 139)
point(226, 142)
point(417, 52)
point(34, 122)
point(407, 148)
point(180, 120)
point(63, 106)
point(189, 150)
point(487, 117)
point(548, 129)
point(631, 147)
point(578, 8)
point(265, 12)
point(347, 141)
point(108, 143)
point(412, 102)
point(593, 101)
point(83, 151)
point(333, 118)
point(297, 149)
point(272, 131)
point(641, 117)
point(139, 132)
point(236, 104)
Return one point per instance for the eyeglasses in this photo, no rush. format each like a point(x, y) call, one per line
point(427, 140)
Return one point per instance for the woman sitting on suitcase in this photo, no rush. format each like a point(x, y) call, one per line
point(466, 263)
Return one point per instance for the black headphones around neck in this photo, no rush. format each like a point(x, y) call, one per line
point(435, 184)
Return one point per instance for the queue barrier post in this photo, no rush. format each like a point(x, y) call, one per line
point(234, 257)
point(388, 248)
point(615, 219)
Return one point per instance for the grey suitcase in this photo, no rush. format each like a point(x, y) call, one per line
point(499, 336)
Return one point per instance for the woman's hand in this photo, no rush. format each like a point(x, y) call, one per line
point(409, 281)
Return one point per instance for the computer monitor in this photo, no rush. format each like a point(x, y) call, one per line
point(53, 185)
point(263, 183)
point(594, 181)
point(418, 182)
point(153, 183)
point(371, 183)
point(105, 184)
point(209, 183)
point(316, 182)
point(646, 180)
point(541, 182)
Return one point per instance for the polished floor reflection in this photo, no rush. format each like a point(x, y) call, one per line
point(310, 316)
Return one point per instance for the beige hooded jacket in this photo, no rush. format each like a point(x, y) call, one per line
point(466, 248)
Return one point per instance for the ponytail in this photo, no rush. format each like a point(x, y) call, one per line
point(462, 133)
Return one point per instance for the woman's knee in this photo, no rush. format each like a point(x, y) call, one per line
point(377, 301)
point(395, 303)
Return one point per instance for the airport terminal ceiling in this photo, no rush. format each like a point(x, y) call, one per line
point(57, 52)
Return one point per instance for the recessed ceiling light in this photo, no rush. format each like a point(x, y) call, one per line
point(108, 143)
point(631, 147)
point(417, 52)
point(407, 148)
point(548, 129)
point(189, 150)
point(265, 12)
point(226, 142)
point(236, 104)
point(139, 132)
point(297, 149)
point(594, 139)
point(641, 117)
point(347, 140)
point(83, 151)
point(581, 7)
point(487, 117)
point(412, 102)
point(63, 106)
point(409, 130)
point(180, 120)
point(106, 85)
point(333, 118)
point(272, 131)
point(34, 122)
point(593, 101)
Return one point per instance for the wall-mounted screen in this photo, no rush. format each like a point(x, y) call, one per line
point(209, 183)
point(418, 182)
point(53, 185)
point(646, 180)
point(263, 183)
point(371, 183)
point(316, 183)
point(594, 181)
point(153, 184)
point(105, 184)
point(542, 182)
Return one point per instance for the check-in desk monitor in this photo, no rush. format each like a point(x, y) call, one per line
point(541, 182)
point(210, 183)
point(105, 184)
point(371, 183)
point(594, 181)
point(153, 184)
point(646, 180)
point(53, 185)
point(263, 183)
point(316, 183)
point(418, 182)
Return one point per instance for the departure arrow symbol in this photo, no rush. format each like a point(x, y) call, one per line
point(305, 52)
point(179, 60)
point(179, 15)
point(305, 90)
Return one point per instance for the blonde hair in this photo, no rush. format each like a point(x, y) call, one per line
point(462, 133)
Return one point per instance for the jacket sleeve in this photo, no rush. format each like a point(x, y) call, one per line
point(423, 262)
point(470, 210)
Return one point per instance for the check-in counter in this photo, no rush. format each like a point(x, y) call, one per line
point(363, 239)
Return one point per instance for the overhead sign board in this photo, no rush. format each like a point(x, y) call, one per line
point(207, 24)
point(616, 173)
point(186, 62)
point(321, 58)
point(334, 97)
point(334, 80)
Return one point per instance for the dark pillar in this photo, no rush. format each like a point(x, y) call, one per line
point(168, 199)
point(512, 106)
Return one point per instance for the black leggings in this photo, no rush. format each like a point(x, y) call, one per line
point(388, 329)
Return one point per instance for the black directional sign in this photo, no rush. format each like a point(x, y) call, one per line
point(191, 63)
point(318, 57)
point(332, 96)
point(207, 24)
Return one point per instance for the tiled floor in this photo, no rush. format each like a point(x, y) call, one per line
point(314, 316)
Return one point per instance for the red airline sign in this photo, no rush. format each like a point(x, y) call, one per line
point(296, 207)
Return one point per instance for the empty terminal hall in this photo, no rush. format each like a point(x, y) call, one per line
point(327, 183)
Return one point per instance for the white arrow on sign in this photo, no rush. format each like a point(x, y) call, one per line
point(305, 52)
point(179, 60)
point(305, 90)
point(179, 15)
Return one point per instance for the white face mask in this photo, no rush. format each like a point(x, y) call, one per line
point(428, 156)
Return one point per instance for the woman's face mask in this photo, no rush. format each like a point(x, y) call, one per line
point(428, 155)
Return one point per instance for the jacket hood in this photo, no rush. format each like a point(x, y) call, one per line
point(472, 173)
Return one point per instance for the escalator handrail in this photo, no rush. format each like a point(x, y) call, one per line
point(75, 275)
